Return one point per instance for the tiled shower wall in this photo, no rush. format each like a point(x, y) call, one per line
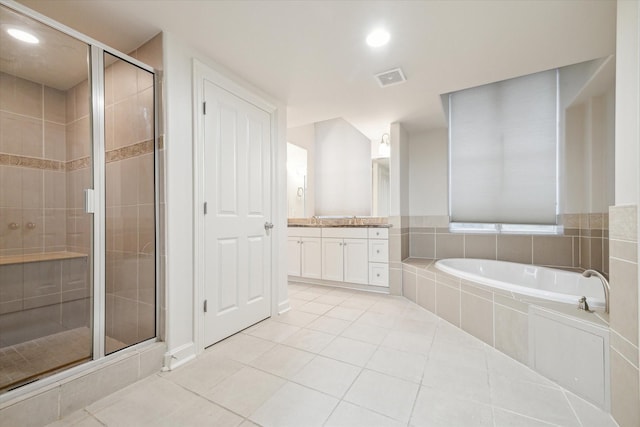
point(584, 243)
point(33, 157)
point(625, 386)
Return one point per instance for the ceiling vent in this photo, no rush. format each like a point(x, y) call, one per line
point(391, 77)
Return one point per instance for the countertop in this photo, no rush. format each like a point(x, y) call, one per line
point(342, 226)
point(361, 222)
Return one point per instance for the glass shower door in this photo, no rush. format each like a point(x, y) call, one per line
point(130, 315)
point(46, 297)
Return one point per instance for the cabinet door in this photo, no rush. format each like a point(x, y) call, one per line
point(310, 255)
point(293, 256)
point(356, 261)
point(332, 259)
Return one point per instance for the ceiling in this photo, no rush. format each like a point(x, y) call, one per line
point(311, 55)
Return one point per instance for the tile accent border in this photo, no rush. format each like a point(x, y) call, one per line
point(31, 162)
point(123, 153)
point(134, 150)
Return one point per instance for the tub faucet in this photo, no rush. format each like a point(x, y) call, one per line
point(583, 305)
point(605, 285)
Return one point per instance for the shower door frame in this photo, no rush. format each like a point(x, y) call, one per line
point(96, 205)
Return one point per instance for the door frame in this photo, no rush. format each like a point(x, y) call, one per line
point(203, 72)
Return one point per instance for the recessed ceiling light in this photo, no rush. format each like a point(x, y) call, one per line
point(378, 38)
point(23, 36)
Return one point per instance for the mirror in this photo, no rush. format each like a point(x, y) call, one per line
point(380, 187)
point(341, 173)
point(296, 181)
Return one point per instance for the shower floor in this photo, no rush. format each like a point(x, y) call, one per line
point(28, 361)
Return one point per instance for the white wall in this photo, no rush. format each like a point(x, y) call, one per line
point(305, 137)
point(342, 169)
point(399, 171)
point(179, 192)
point(627, 102)
point(428, 173)
point(589, 170)
point(181, 288)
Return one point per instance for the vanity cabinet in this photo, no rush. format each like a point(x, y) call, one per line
point(304, 249)
point(345, 260)
point(345, 255)
point(356, 255)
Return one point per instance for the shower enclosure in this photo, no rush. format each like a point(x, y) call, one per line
point(77, 200)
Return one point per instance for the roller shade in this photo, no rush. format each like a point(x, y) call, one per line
point(503, 151)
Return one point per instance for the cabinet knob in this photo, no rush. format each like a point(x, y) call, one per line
point(378, 251)
point(378, 275)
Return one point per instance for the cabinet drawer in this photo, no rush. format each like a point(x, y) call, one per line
point(378, 233)
point(303, 232)
point(378, 274)
point(344, 233)
point(379, 250)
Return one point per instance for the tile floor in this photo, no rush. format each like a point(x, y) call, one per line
point(345, 358)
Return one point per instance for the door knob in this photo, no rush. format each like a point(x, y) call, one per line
point(267, 227)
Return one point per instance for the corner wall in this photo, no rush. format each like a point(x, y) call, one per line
point(342, 160)
point(399, 205)
point(624, 220)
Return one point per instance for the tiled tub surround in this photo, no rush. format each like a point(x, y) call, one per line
point(498, 317)
point(625, 387)
point(584, 244)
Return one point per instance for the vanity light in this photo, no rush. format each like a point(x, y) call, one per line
point(378, 38)
point(23, 36)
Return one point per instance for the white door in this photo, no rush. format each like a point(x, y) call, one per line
point(237, 192)
point(311, 254)
point(356, 261)
point(332, 259)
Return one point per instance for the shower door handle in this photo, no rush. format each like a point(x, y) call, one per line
point(89, 201)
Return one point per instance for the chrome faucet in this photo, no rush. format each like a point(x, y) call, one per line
point(605, 285)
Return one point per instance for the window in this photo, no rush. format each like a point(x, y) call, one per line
point(503, 154)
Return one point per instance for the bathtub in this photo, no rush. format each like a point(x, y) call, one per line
point(530, 280)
